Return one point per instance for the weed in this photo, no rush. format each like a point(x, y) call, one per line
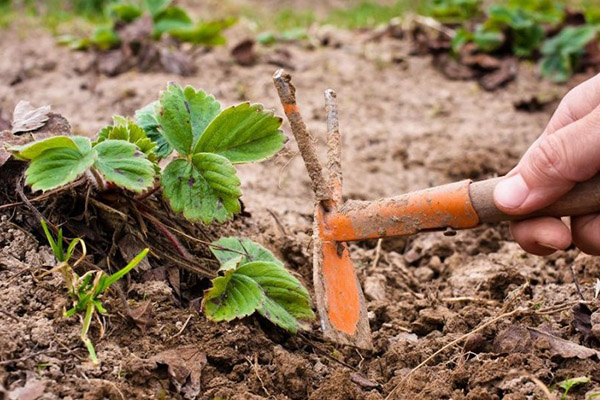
point(566, 385)
point(85, 290)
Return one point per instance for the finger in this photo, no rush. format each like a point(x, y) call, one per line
point(552, 167)
point(579, 102)
point(541, 236)
point(586, 233)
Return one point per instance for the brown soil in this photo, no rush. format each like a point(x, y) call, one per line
point(404, 127)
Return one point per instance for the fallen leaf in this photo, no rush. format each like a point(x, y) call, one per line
point(27, 118)
point(129, 247)
point(582, 320)
point(185, 366)
point(513, 339)
point(243, 52)
point(32, 390)
point(563, 348)
point(174, 279)
point(143, 315)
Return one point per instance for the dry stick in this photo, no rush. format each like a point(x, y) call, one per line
point(576, 282)
point(287, 95)
point(377, 254)
point(452, 343)
point(334, 146)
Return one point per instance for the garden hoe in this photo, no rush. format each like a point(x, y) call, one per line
point(460, 205)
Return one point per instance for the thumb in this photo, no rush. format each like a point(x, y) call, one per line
point(552, 166)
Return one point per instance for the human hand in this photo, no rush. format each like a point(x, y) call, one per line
point(567, 152)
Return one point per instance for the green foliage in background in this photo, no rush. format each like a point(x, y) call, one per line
point(167, 19)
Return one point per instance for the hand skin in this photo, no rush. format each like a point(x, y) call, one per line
point(567, 152)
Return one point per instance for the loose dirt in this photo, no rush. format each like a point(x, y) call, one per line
point(405, 127)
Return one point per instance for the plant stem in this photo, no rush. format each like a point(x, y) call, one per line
point(89, 312)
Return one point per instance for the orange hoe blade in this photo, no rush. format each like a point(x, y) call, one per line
point(460, 205)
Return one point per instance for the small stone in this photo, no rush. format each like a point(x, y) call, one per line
point(424, 274)
point(374, 287)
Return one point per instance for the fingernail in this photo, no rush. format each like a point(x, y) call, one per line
point(511, 192)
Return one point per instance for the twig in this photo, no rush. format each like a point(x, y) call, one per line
point(27, 357)
point(576, 281)
point(10, 315)
point(377, 254)
point(325, 353)
point(287, 95)
point(334, 146)
point(456, 341)
point(185, 324)
point(254, 366)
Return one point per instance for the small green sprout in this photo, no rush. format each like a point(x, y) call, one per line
point(85, 290)
point(567, 384)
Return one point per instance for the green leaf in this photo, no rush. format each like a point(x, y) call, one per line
point(563, 52)
point(105, 38)
point(243, 133)
point(34, 149)
point(184, 115)
point(107, 280)
point(452, 11)
point(204, 33)
point(203, 108)
point(125, 12)
point(488, 40)
point(57, 166)
point(567, 384)
point(461, 37)
point(232, 296)
point(284, 300)
point(171, 18)
point(228, 248)
point(121, 163)
point(126, 129)
point(205, 189)
point(287, 300)
point(157, 6)
point(174, 119)
point(147, 119)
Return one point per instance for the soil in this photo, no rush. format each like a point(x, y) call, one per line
point(405, 127)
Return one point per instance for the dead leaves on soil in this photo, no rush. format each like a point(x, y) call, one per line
point(29, 124)
point(520, 339)
point(185, 366)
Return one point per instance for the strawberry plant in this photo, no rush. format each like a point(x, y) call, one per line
point(167, 20)
point(201, 181)
point(85, 290)
point(562, 53)
point(253, 280)
point(453, 11)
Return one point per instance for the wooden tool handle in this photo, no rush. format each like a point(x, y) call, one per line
point(583, 199)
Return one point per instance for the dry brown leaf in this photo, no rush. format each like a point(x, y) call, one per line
point(185, 366)
point(32, 390)
point(143, 315)
point(582, 320)
point(244, 53)
point(27, 118)
point(563, 348)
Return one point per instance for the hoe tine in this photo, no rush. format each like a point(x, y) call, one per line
point(340, 301)
point(334, 147)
